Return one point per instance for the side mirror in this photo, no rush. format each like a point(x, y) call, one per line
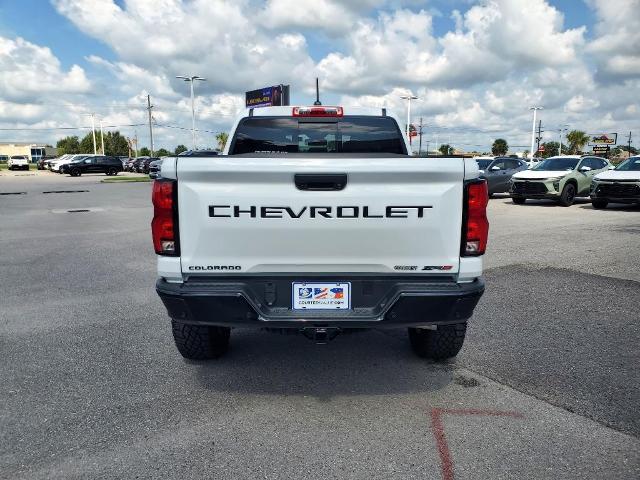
point(584, 169)
point(88, 160)
point(495, 168)
point(611, 167)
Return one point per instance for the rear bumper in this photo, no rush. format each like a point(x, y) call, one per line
point(265, 301)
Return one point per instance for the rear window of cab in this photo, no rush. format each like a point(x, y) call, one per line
point(348, 134)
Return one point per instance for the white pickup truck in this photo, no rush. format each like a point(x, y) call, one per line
point(316, 219)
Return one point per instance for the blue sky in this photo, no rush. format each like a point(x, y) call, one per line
point(475, 76)
point(71, 46)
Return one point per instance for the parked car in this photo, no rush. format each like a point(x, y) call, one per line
point(56, 164)
point(136, 163)
point(561, 178)
point(199, 153)
point(93, 164)
point(154, 168)
point(483, 162)
point(128, 167)
point(499, 171)
point(307, 242)
point(620, 185)
point(143, 167)
point(532, 162)
point(18, 162)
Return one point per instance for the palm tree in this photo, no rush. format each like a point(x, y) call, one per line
point(577, 139)
point(222, 138)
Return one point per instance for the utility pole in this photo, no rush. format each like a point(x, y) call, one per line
point(149, 107)
point(420, 144)
point(533, 129)
point(539, 137)
point(629, 145)
point(136, 142)
point(101, 137)
point(93, 130)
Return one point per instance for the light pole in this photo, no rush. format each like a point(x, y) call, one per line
point(193, 110)
point(408, 98)
point(533, 129)
point(563, 128)
point(101, 137)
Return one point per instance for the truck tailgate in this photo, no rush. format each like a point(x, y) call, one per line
point(245, 214)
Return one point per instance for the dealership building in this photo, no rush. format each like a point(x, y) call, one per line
point(35, 151)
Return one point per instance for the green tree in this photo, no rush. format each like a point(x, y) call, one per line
point(179, 149)
point(222, 138)
point(500, 147)
point(115, 144)
point(144, 152)
point(577, 139)
point(68, 145)
point(550, 149)
point(162, 152)
point(446, 149)
point(86, 144)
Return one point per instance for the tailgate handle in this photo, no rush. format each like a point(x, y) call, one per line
point(320, 181)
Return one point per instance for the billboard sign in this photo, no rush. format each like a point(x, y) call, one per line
point(596, 139)
point(267, 97)
point(601, 149)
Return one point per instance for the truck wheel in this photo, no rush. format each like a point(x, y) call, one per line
point(518, 200)
point(599, 203)
point(440, 344)
point(200, 342)
point(568, 195)
point(75, 172)
point(112, 171)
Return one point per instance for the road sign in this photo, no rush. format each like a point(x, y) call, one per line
point(601, 149)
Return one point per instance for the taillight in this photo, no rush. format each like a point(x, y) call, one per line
point(475, 229)
point(164, 226)
point(317, 112)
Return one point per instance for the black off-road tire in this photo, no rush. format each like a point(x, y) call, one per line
point(599, 203)
point(518, 200)
point(440, 344)
point(568, 195)
point(199, 342)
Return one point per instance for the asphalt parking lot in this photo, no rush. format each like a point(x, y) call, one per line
point(547, 385)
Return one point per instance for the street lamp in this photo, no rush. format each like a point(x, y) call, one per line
point(563, 128)
point(533, 129)
point(408, 98)
point(193, 110)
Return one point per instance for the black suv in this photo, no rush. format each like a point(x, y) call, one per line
point(97, 164)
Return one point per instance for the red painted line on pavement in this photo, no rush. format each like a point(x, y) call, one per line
point(437, 425)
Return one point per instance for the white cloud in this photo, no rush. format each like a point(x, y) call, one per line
point(28, 71)
point(474, 82)
point(616, 47)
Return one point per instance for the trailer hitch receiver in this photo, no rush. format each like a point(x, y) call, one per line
point(321, 335)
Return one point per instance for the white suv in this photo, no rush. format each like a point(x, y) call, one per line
point(18, 162)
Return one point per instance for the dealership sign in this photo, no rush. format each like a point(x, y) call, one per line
point(596, 139)
point(268, 97)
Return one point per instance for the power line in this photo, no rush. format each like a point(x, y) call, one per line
point(68, 128)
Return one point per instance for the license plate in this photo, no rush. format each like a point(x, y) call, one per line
point(325, 296)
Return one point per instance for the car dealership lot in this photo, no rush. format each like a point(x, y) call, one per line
point(546, 385)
